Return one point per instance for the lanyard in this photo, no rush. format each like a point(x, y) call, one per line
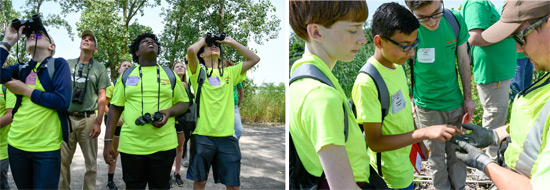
point(158, 81)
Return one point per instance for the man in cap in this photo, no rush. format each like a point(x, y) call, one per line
point(529, 24)
point(89, 80)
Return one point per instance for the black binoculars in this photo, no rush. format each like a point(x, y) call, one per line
point(211, 39)
point(146, 118)
point(31, 25)
point(78, 94)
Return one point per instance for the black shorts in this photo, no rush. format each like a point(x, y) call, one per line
point(222, 153)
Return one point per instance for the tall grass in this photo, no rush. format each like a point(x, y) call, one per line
point(263, 104)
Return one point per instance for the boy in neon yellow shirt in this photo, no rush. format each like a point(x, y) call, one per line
point(332, 31)
point(212, 142)
point(395, 32)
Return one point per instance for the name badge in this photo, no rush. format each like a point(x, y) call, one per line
point(214, 81)
point(31, 79)
point(426, 55)
point(397, 102)
point(132, 81)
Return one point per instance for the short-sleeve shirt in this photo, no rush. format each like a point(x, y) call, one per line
point(316, 119)
point(492, 63)
point(35, 128)
point(109, 90)
point(217, 110)
point(7, 101)
point(236, 94)
point(396, 168)
point(97, 79)
point(147, 139)
point(435, 70)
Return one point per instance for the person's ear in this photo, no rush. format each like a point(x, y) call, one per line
point(315, 32)
point(377, 41)
point(51, 47)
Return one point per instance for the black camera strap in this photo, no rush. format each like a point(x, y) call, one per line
point(158, 82)
point(220, 64)
point(80, 72)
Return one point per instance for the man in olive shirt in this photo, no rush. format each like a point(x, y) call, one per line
point(88, 95)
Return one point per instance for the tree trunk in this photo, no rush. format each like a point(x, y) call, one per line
point(222, 14)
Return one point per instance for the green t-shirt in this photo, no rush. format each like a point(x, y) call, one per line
point(147, 139)
point(316, 119)
point(499, 10)
point(496, 62)
point(217, 110)
point(396, 167)
point(525, 112)
point(97, 80)
point(35, 128)
point(236, 94)
point(7, 101)
point(435, 71)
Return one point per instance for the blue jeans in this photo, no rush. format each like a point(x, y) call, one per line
point(523, 77)
point(410, 187)
point(35, 170)
point(238, 124)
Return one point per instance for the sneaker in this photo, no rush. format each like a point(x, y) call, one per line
point(186, 164)
point(111, 185)
point(178, 179)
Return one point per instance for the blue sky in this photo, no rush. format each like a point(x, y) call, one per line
point(274, 53)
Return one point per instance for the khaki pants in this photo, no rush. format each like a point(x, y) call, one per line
point(88, 146)
point(447, 171)
point(494, 99)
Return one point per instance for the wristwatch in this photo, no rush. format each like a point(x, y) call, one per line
point(6, 44)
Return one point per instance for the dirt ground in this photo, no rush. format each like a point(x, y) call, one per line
point(262, 164)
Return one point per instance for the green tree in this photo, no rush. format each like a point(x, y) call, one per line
point(113, 23)
point(242, 20)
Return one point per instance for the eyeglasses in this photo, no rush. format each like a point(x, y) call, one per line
point(434, 16)
point(520, 36)
point(406, 48)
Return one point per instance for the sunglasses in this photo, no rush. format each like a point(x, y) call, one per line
point(434, 16)
point(520, 36)
point(406, 48)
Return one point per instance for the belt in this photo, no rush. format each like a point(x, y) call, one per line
point(82, 114)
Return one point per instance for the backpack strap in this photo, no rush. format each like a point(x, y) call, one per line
point(51, 67)
point(171, 77)
point(451, 19)
point(200, 82)
point(126, 74)
point(4, 90)
point(311, 71)
point(383, 97)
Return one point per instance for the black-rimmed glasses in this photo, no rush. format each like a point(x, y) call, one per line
point(520, 36)
point(405, 48)
point(434, 16)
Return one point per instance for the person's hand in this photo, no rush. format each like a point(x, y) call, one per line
point(479, 137)
point(19, 88)
point(108, 153)
point(96, 130)
point(469, 106)
point(120, 122)
point(228, 40)
point(472, 156)
point(442, 133)
point(159, 124)
point(12, 35)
